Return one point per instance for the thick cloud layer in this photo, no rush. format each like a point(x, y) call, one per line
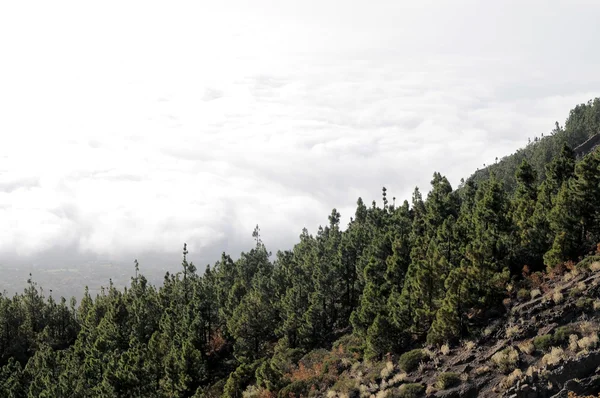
point(130, 128)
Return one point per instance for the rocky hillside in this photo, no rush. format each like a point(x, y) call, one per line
point(545, 345)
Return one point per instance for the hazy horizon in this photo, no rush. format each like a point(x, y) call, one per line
point(131, 128)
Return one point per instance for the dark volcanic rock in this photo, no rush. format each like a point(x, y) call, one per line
point(462, 391)
point(578, 368)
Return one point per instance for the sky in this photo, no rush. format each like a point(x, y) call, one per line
point(129, 128)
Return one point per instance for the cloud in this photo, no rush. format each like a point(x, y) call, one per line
point(194, 125)
point(19, 183)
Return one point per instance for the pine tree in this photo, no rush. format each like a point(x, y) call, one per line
point(586, 196)
point(564, 222)
point(448, 325)
point(529, 241)
point(560, 170)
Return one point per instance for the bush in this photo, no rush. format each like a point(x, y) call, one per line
point(588, 342)
point(387, 370)
point(350, 344)
point(554, 356)
point(557, 297)
point(346, 386)
point(410, 390)
point(573, 339)
point(256, 392)
point(512, 331)
point(511, 379)
point(585, 303)
point(586, 263)
point(506, 360)
point(445, 349)
point(561, 334)
point(482, 370)
point(544, 342)
point(296, 389)
point(523, 294)
point(527, 347)
point(447, 380)
point(410, 360)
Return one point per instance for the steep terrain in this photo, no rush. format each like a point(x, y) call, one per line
point(545, 345)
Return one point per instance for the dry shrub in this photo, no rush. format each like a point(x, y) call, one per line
point(387, 370)
point(364, 391)
point(571, 394)
point(596, 305)
point(557, 297)
point(383, 386)
point(383, 394)
point(526, 347)
point(482, 370)
point(506, 360)
point(536, 279)
point(216, 343)
point(531, 371)
point(259, 392)
point(588, 342)
point(397, 379)
point(428, 352)
point(445, 349)
point(303, 372)
point(511, 379)
point(511, 331)
point(555, 355)
point(469, 345)
point(595, 266)
point(588, 327)
point(573, 340)
point(535, 293)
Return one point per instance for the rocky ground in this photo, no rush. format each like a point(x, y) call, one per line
point(545, 345)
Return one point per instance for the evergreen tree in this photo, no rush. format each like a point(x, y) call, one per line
point(564, 222)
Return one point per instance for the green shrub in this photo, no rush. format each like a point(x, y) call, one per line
point(586, 262)
point(296, 389)
point(350, 344)
point(410, 360)
point(585, 303)
point(346, 386)
point(447, 380)
point(523, 294)
point(410, 390)
point(544, 342)
point(561, 334)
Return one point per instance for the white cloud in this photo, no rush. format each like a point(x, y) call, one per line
point(134, 127)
